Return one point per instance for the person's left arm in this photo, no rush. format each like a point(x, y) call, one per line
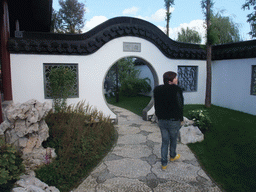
point(180, 101)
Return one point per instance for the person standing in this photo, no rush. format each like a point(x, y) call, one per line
point(168, 103)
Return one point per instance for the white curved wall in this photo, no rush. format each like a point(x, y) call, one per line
point(231, 85)
point(146, 73)
point(28, 82)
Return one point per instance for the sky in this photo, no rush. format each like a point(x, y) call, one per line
point(185, 13)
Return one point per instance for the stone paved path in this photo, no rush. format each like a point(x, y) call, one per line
point(134, 163)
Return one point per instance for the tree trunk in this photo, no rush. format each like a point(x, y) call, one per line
point(167, 20)
point(117, 88)
point(209, 76)
point(209, 60)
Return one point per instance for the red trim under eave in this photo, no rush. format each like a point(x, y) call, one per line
point(1, 111)
point(5, 56)
point(6, 67)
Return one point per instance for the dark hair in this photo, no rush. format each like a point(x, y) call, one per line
point(169, 76)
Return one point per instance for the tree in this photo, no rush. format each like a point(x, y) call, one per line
point(61, 79)
point(168, 4)
point(252, 16)
point(189, 36)
point(224, 29)
point(128, 77)
point(56, 23)
point(210, 38)
point(70, 17)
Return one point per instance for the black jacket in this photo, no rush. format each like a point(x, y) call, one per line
point(169, 102)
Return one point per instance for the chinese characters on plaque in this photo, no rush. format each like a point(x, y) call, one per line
point(131, 47)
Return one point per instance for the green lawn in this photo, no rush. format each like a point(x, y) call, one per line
point(133, 104)
point(228, 153)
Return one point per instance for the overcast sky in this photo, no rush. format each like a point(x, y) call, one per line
point(185, 13)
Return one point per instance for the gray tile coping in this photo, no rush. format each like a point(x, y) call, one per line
point(134, 164)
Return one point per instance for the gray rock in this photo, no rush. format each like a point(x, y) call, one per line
point(11, 136)
point(26, 129)
point(23, 142)
point(18, 189)
point(31, 183)
point(32, 188)
point(51, 189)
point(20, 127)
point(187, 122)
point(190, 134)
point(5, 125)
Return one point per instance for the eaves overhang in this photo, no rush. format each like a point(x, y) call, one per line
point(91, 41)
point(238, 50)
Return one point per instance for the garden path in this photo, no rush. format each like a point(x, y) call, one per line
point(134, 163)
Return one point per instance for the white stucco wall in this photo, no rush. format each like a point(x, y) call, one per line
point(231, 85)
point(28, 81)
point(146, 73)
point(198, 96)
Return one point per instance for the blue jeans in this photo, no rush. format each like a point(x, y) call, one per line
point(169, 131)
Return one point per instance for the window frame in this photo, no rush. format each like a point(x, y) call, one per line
point(196, 77)
point(46, 83)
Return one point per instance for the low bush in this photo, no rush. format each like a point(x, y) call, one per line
point(11, 166)
point(201, 119)
point(129, 81)
point(81, 137)
point(132, 87)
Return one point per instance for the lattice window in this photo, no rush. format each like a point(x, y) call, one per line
point(47, 69)
point(187, 77)
point(253, 84)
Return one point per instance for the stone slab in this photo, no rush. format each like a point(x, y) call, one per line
point(132, 151)
point(130, 168)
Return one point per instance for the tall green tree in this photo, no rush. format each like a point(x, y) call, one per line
point(128, 77)
point(207, 6)
point(189, 36)
point(56, 23)
point(61, 80)
point(224, 29)
point(70, 17)
point(168, 4)
point(252, 16)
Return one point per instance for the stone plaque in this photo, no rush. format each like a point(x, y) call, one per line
point(132, 47)
point(19, 34)
point(253, 84)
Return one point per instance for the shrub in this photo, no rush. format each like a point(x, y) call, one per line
point(11, 166)
point(129, 79)
point(81, 137)
point(133, 86)
point(201, 119)
point(61, 80)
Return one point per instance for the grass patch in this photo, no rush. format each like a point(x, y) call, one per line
point(81, 138)
point(228, 151)
point(133, 104)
